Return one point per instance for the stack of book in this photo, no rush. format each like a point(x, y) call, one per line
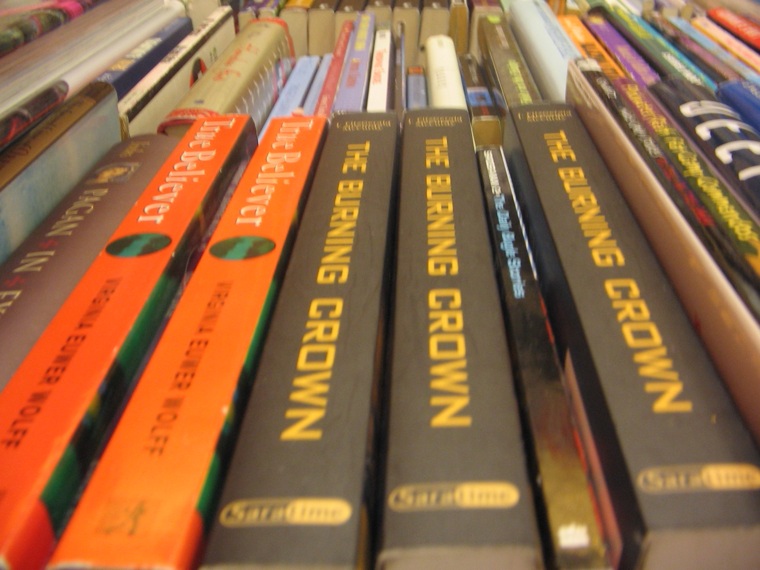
point(389, 284)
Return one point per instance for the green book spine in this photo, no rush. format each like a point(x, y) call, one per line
point(674, 466)
point(457, 491)
point(314, 402)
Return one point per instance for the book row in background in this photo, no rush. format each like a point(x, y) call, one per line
point(485, 297)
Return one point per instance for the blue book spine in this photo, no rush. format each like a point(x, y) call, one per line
point(416, 88)
point(354, 80)
point(744, 97)
point(295, 89)
point(127, 71)
point(310, 103)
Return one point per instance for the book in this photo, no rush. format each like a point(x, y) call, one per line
point(60, 404)
point(699, 258)
point(744, 96)
point(456, 489)
point(347, 10)
point(125, 72)
point(30, 112)
point(564, 498)
point(63, 245)
point(434, 20)
point(716, 49)
point(478, 9)
point(351, 95)
point(444, 79)
point(484, 114)
point(652, 46)
point(380, 89)
point(588, 45)
point(329, 90)
point(399, 70)
point(81, 49)
point(295, 13)
point(39, 168)
point(294, 92)
point(545, 46)
point(312, 412)
point(742, 27)
point(504, 65)
point(161, 90)
point(646, 396)
point(407, 12)
point(731, 146)
point(459, 25)
point(247, 78)
point(151, 497)
point(416, 88)
point(310, 102)
point(322, 37)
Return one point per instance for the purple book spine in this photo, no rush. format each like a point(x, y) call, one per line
point(354, 81)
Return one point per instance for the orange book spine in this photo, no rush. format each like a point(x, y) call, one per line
point(589, 46)
point(144, 505)
point(57, 409)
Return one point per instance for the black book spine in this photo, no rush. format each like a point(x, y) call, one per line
point(299, 487)
point(572, 534)
point(456, 485)
point(676, 469)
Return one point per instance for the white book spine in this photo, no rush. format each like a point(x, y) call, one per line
point(378, 96)
point(444, 80)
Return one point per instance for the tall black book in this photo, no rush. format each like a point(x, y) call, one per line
point(298, 490)
point(573, 537)
point(456, 489)
point(676, 470)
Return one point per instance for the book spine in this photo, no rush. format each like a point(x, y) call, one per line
point(588, 45)
point(312, 412)
point(546, 61)
point(352, 89)
point(165, 455)
point(400, 72)
point(124, 73)
point(478, 10)
point(630, 59)
point(731, 146)
point(43, 165)
point(380, 90)
point(563, 493)
point(658, 52)
point(484, 114)
point(459, 25)
point(451, 392)
point(63, 245)
point(246, 79)
point(295, 89)
point(739, 66)
point(31, 111)
point(444, 79)
point(156, 94)
point(58, 407)
point(310, 102)
point(326, 98)
point(648, 419)
point(728, 41)
point(738, 227)
point(743, 28)
point(505, 65)
point(744, 96)
point(416, 85)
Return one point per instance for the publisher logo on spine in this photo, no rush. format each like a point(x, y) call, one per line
point(136, 245)
point(296, 511)
point(694, 478)
point(242, 247)
point(465, 495)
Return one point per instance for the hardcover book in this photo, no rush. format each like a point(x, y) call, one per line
point(150, 499)
point(161, 90)
point(41, 167)
point(568, 521)
point(62, 247)
point(246, 79)
point(675, 469)
point(60, 404)
point(456, 492)
point(312, 413)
